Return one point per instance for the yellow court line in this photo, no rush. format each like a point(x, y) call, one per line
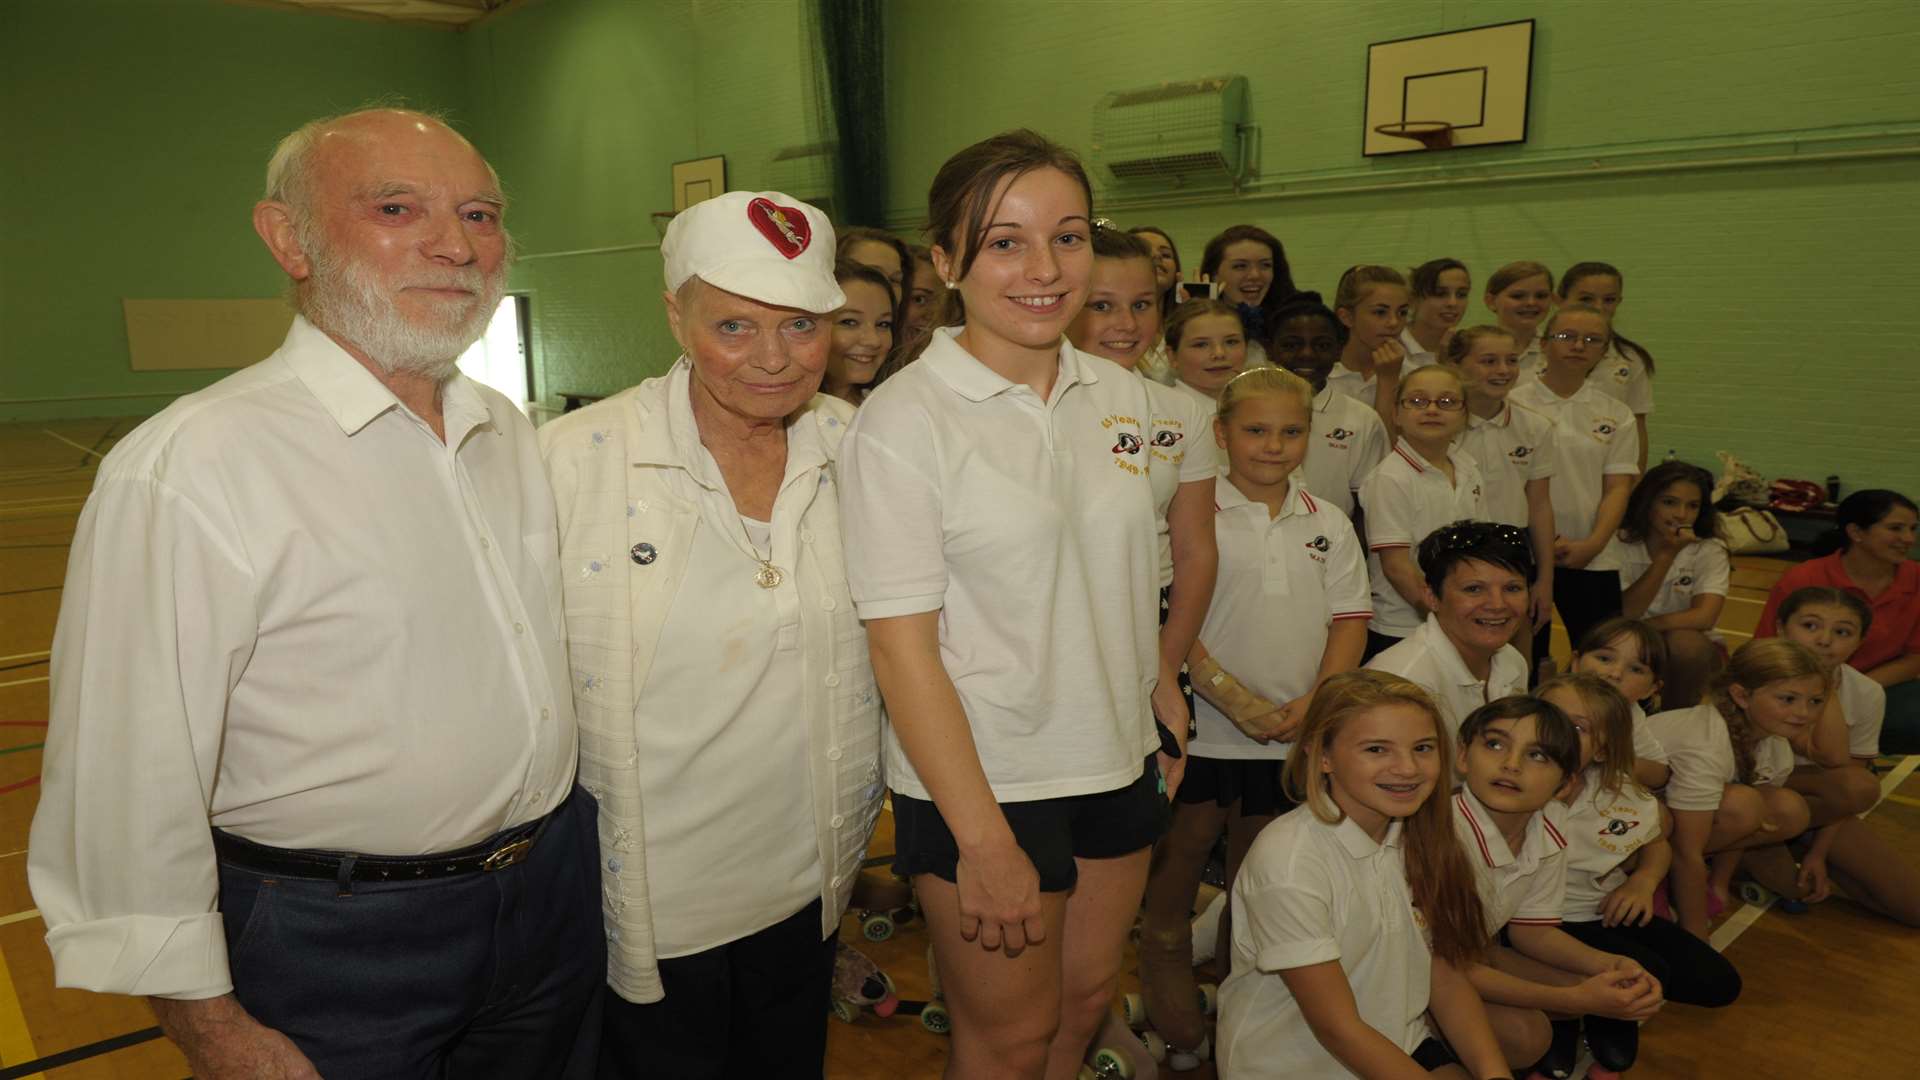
point(1904, 800)
point(24, 682)
point(42, 654)
point(70, 442)
point(19, 916)
point(16, 1042)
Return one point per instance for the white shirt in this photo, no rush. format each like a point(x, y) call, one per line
point(1526, 887)
point(1309, 893)
point(1593, 437)
point(1282, 583)
point(1361, 388)
point(1646, 745)
point(1511, 448)
point(1347, 441)
point(1418, 355)
point(1622, 376)
point(295, 614)
point(1028, 525)
point(1204, 400)
point(1180, 450)
point(1406, 498)
point(1155, 365)
point(1602, 828)
point(1700, 755)
point(1427, 659)
point(1702, 568)
point(1863, 703)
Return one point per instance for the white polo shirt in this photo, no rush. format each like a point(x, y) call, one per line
point(1526, 887)
point(1511, 448)
point(1700, 753)
point(1418, 355)
point(1621, 375)
point(1405, 499)
point(1427, 659)
point(1309, 893)
point(1348, 440)
point(1864, 704)
point(1646, 745)
point(1180, 450)
point(1602, 828)
point(1028, 525)
point(1204, 400)
point(1361, 388)
point(1593, 438)
point(1702, 568)
point(1282, 582)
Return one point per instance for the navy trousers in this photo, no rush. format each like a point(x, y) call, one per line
point(481, 974)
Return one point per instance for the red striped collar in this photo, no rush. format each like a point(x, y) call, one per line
point(1410, 460)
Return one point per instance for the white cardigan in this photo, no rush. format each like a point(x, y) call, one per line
point(624, 536)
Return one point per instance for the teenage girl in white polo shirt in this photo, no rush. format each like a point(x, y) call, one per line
point(1674, 572)
point(1372, 303)
point(1250, 264)
point(1515, 451)
point(1289, 610)
point(1424, 484)
point(1348, 437)
point(1616, 857)
point(1207, 344)
point(1000, 546)
point(1440, 289)
point(1358, 911)
point(1594, 444)
point(1830, 772)
point(1730, 759)
point(1626, 371)
point(1520, 294)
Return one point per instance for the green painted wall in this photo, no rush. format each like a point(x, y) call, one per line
point(134, 136)
point(583, 106)
point(1777, 297)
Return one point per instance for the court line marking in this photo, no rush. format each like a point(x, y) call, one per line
point(19, 916)
point(16, 1042)
point(41, 501)
point(70, 442)
point(1894, 778)
point(24, 682)
point(1903, 800)
point(80, 1053)
point(27, 656)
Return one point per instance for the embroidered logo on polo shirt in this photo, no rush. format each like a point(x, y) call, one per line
point(785, 227)
point(1520, 453)
point(1164, 437)
point(1340, 433)
point(1617, 827)
point(1621, 373)
point(1129, 443)
point(1683, 581)
point(1603, 429)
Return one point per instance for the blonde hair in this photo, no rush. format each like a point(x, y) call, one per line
point(1514, 272)
point(1612, 734)
point(1461, 344)
point(1441, 370)
point(1438, 874)
point(1547, 324)
point(1265, 382)
point(1358, 279)
point(1760, 662)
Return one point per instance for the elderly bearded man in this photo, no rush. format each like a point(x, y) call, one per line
point(309, 777)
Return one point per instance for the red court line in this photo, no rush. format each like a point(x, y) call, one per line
point(29, 782)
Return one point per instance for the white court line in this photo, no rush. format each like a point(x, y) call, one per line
point(70, 442)
point(25, 656)
point(1744, 600)
point(25, 682)
point(19, 916)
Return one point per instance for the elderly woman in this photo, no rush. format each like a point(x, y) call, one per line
point(729, 724)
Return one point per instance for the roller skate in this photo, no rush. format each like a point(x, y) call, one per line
point(932, 1012)
point(883, 905)
point(1118, 1054)
point(1562, 1054)
point(1171, 1002)
point(859, 984)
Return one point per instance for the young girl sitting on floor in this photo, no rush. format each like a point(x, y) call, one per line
point(1632, 657)
point(1333, 970)
point(1674, 572)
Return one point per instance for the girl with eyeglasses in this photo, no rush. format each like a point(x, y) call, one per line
point(1597, 448)
point(1626, 371)
point(1423, 484)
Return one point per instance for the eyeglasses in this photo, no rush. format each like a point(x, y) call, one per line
point(1445, 403)
point(1569, 337)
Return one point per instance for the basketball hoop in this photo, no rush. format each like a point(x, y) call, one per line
point(1432, 134)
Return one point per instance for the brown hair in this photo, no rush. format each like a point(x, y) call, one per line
point(1507, 275)
point(1599, 269)
point(1265, 382)
point(1752, 666)
point(1353, 284)
point(1425, 278)
point(1461, 344)
point(1172, 295)
point(1111, 243)
point(1193, 309)
point(1825, 595)
point(1280, 291)
point(1612, 733)
point(1653, 644)
point(1547, 324)
point(1438, 874)
point(963, 195)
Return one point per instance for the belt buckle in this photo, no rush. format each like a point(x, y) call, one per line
point(507, 856)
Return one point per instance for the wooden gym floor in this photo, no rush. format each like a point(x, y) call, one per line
point(1828, 993)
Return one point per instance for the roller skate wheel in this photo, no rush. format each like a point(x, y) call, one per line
point(845, 1011)
point(934, 1018)
point(1182, 1060)
point(1156, 1046)
point(1755, 893)
point(1133, 1009)
point(1111, 1064)
point(1209, 999)
point(877, 926)
point(886, 980)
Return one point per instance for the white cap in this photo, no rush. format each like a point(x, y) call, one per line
point(762, 245)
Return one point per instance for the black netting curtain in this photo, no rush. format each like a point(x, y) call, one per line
point(853, 104)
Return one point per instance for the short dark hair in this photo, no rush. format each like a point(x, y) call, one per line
point(1862, 508)
point(1505, 546)
point(1556, 734)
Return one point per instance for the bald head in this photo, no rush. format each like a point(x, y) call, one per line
point(291, 170)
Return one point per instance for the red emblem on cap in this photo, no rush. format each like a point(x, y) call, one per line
point(784, 227)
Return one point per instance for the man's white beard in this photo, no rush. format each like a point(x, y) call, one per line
point(345, 298)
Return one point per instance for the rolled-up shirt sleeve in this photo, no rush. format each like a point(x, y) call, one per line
point(156, 625)
point(890, 513)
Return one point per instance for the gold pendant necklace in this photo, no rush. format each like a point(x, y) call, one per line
point(768, 576)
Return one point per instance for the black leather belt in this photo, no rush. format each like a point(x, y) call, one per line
point(497, 852)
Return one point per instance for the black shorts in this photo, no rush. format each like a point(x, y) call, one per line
point(1053, 832)
point(1254, 783)
point(1432, 1053)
